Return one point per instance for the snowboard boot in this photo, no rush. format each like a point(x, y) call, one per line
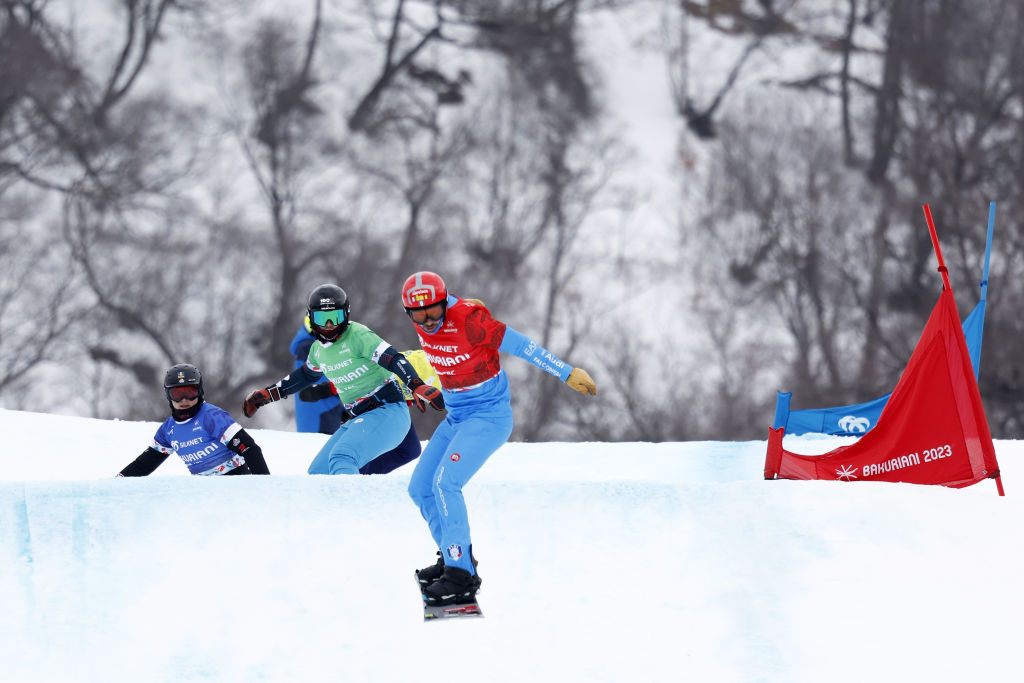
point(428, 575)
point(455, 587)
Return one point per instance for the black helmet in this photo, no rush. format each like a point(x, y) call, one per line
point(328, 302)
point(182, 375)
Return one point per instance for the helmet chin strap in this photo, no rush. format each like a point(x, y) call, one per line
point(436, 329)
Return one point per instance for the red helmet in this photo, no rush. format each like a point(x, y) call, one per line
point(423, 289)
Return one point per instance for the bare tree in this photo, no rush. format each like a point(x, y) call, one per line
point(398, 59)
point(852, 276)
point(36, 307)
point(84, 140)
point(730, 18)
point(795, 243)
point(887, 109)
point(281, 81)
point(963, 97)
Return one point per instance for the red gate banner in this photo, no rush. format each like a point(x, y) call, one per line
point(933, 430)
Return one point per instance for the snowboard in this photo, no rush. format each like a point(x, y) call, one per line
point(459, 611)
point(436, 612)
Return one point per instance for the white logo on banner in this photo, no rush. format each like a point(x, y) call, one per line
point(846, 472)
point(852, 423)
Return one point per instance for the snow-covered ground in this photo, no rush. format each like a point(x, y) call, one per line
point(601, 562)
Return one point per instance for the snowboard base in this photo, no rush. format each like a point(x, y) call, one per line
point(436, 612)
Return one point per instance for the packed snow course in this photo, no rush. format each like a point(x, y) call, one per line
point(600, 561)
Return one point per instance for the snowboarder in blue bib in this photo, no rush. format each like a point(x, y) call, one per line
point(205, 437)
point(363, 369)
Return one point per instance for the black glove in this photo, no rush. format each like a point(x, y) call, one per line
point(317, 392)
point(258, 398)
point(423, 393)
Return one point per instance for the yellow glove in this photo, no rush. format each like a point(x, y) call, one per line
point(581, 381)
point(477, 302)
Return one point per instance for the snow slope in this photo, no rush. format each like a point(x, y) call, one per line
point(601, 562)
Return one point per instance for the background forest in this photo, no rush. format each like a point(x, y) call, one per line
point(698, 202)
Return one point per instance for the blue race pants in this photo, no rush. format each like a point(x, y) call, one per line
point(459, 447)
point(362, 439)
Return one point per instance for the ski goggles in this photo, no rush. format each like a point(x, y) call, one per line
point(183, 393)
point(421, 315)
point(321, 318)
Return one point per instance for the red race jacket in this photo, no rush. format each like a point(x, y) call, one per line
point(464, 350)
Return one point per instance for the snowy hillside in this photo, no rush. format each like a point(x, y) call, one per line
point(601, 562)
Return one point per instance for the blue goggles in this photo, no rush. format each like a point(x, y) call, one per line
point(321, 318)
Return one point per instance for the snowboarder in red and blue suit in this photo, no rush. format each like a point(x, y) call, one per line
point(462, 340)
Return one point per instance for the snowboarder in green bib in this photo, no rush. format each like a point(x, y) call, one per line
point(362, 367)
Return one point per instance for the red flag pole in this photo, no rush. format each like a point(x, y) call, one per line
point(938, 251)
point(945, 283)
